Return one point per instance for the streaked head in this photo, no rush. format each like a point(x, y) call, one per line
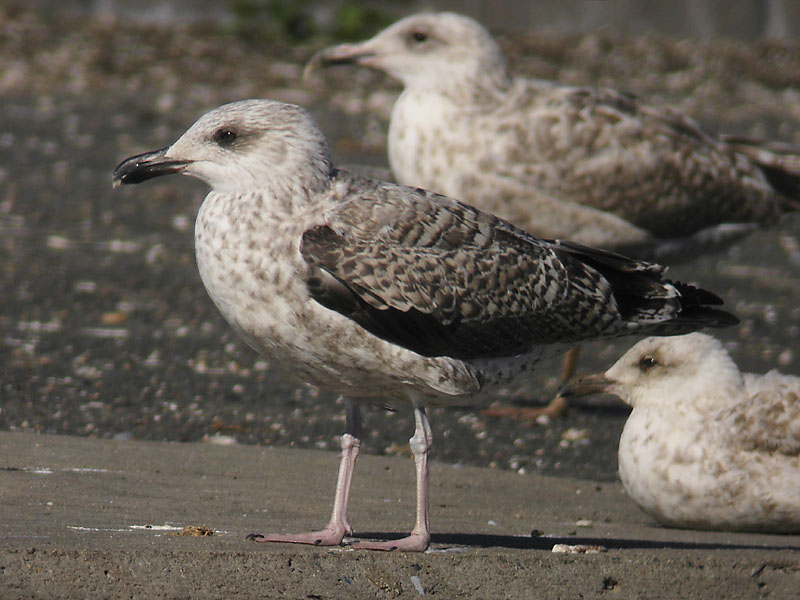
point(246, 145)
point(426, 50)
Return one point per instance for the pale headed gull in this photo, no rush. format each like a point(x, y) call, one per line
point(386, 293)
point(595, 166)
point(706, 447)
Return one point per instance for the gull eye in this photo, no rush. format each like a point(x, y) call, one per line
point(419, 36)
point(647, 363)
point(225, 137)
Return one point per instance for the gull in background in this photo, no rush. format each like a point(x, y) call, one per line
point(595, 166)
point(706, 447)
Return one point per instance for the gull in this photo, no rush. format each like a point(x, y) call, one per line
point(596, 166)
point(390, 294)
point(705, 446)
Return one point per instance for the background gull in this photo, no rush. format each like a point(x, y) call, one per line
point(386, 293)
point(596, 166)
point(706, 447)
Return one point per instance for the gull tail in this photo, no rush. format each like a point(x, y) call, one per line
point(779, 162)
point(650, 303)
point(696, 311)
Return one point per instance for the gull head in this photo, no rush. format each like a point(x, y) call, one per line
point(241, 146)
point(428, 50)
point(680, 373)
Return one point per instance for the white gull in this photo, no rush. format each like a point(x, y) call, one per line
point(706, 447)
point(390, 294)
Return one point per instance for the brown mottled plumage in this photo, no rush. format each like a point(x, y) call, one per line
point(388, 293)
point(593, 165)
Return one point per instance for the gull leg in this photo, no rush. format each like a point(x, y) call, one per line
point(557, 406)
point(420, 537)
point(333, 533)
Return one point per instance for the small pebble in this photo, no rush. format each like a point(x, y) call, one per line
point(578, 549)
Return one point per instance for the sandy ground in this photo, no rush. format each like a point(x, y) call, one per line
point(100, 519)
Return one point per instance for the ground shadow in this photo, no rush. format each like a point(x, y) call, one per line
point(478, 540)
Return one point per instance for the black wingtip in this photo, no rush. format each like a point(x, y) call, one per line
point(695, 295)
point(695, 303)
point(708, 317)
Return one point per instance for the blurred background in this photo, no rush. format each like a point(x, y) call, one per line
point(744, 19)
point(105, 328)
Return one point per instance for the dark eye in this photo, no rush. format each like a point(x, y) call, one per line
point(419, 36)
point(647, 363)
point(225, 137)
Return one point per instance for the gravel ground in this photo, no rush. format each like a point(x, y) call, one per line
point(105, 329)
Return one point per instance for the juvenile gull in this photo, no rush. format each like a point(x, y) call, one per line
point(706, 447)
point(595, 166)
point(386, 293)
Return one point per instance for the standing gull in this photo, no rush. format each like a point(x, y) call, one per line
point(592, 165)
point(383, 292)
point(706, 447)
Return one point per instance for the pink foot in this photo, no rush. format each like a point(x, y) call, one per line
point(338, 526)
point(325, 537)
point(416, 542)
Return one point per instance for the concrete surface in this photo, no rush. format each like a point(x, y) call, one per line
point(99, 519)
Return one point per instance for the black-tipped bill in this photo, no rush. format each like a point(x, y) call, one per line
point(586, 385)
point(146, 166)
point(344, 54)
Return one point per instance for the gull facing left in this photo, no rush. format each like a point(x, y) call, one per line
point(390, 294)
point(706, 446)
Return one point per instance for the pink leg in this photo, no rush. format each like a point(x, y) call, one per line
point(420, 537)
point(338, 526)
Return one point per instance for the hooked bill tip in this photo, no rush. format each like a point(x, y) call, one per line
point(146, 166)
point(344, 54)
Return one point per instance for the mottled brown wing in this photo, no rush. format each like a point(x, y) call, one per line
point(653, 167)
point(443, 279)
point(770, 420)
